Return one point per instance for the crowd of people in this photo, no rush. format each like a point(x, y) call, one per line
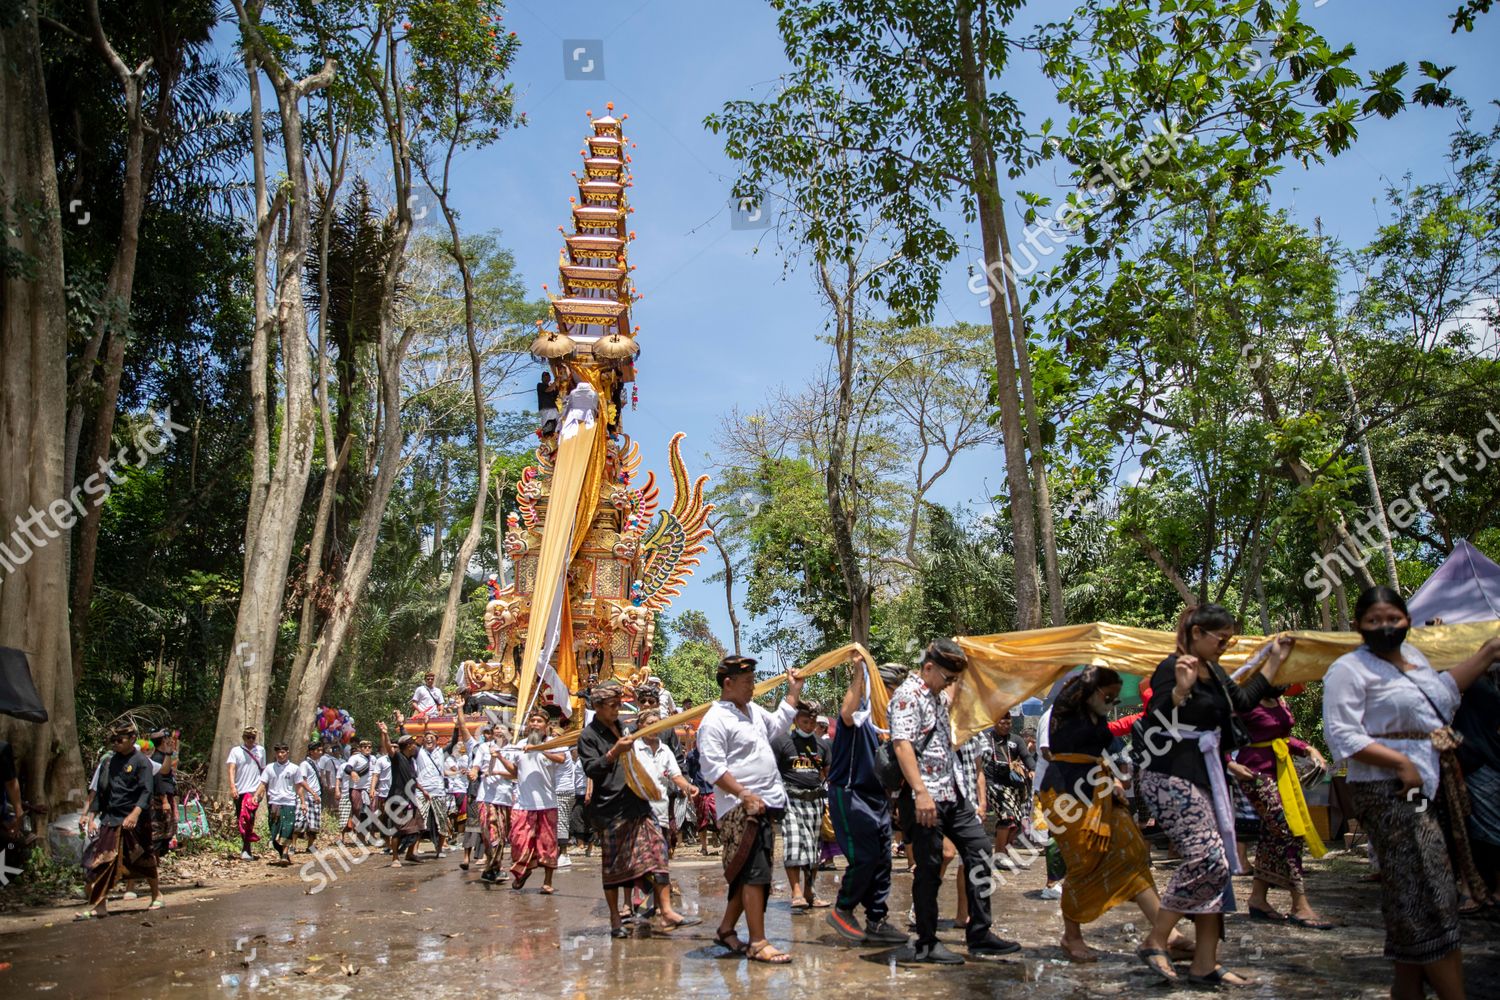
point(1205, 751)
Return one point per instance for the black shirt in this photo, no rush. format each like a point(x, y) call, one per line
point(403, 775)
point(802, 762)
point(613, 799)
point(1076, 733)
point(166, 782)
point(546, 396)
point(1210, 705)
point(125, 783)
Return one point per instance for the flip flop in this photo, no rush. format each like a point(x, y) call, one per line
point(547, 890)
point(731, 941)
point(157, 904)
point(800, 907)
point(672, 925)
point(619, 933)
point(1314, 925)
point(1216, 979)
point(1256, 913)
point(819, 904)
point(1147, 954)
point(759, 955)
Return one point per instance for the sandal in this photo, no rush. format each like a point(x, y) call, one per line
point(157, 904)
point(729, 939)
point(1314, 925)
point(778, 957)
point(619, 933)
point(547, 890)
point(672, 925)
point(1256, 913)
point(800, 906)
point(819, 904)
point(90, 915)
point(1147, 956)
point(1219, 977)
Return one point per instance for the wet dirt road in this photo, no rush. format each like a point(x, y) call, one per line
point(433, 931)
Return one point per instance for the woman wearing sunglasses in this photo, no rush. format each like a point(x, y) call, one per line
point(1189, 728)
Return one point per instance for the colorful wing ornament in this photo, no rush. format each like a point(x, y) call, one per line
point(676, 537)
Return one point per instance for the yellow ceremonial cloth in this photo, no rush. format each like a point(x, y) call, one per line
point(1108, 861)
point(1004, 670)
point(1293, 802)
point(822, 664)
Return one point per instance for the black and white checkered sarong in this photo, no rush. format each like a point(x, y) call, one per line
point(800, 828)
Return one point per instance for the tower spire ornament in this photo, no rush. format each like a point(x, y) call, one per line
point(595, 558)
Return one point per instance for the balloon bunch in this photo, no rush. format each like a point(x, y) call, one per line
point(335, 724)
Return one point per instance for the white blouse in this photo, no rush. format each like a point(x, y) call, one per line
point(1365, 697)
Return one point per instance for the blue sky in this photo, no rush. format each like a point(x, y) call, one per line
point(721, 323)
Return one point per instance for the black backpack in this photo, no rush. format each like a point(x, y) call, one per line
point(888, 768)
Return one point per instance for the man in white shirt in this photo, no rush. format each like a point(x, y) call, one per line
point(329, 765)
point(533, 820)
point(567, 778)
point(378, 790)
point(427, 699)
point(354, 794)
point(310, 808)
point(282, 787)
point(432, 789)
point(661, 763)
point(497, 793)
point(245, 763)
point(734, 745)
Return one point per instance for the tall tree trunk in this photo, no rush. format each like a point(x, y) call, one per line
point(842, 513)
point(33, 420)
point(442, 649)
point(113, 322)
point(734, 619)
point(301, 702)
point(986, 188)
point(1046, 529)
point(271, 531)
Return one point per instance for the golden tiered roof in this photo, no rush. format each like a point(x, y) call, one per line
point(595, 291)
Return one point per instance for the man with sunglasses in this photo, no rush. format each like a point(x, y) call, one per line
point(932, 806)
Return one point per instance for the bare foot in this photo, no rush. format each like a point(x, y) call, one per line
point(1078, 951)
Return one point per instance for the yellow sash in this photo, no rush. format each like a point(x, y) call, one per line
point(1293, 803)
point(1094, 828)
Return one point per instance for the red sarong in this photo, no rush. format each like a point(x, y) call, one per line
point(247, 817)
point(533, 840)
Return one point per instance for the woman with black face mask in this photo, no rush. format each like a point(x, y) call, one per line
point(1387, 712)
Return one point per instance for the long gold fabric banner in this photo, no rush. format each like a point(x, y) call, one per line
point(822, 664)
point(569, 467)
point(1005, 670)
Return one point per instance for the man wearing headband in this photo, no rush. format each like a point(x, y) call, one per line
point(933, 806)
point(734, 744)
point(118, 822)
point(632, 851)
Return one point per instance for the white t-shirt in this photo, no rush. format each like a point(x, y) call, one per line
point(495, 787)
point(536, 786)
point(281, 783)
point(328, 770)
point(311, 776)
point(430, 770)
point(380, 766)
point(457, 770)
point(661, 764)
point(427, 699)
point(247, 768)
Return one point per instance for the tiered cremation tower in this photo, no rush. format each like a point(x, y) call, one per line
point(594, 557)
